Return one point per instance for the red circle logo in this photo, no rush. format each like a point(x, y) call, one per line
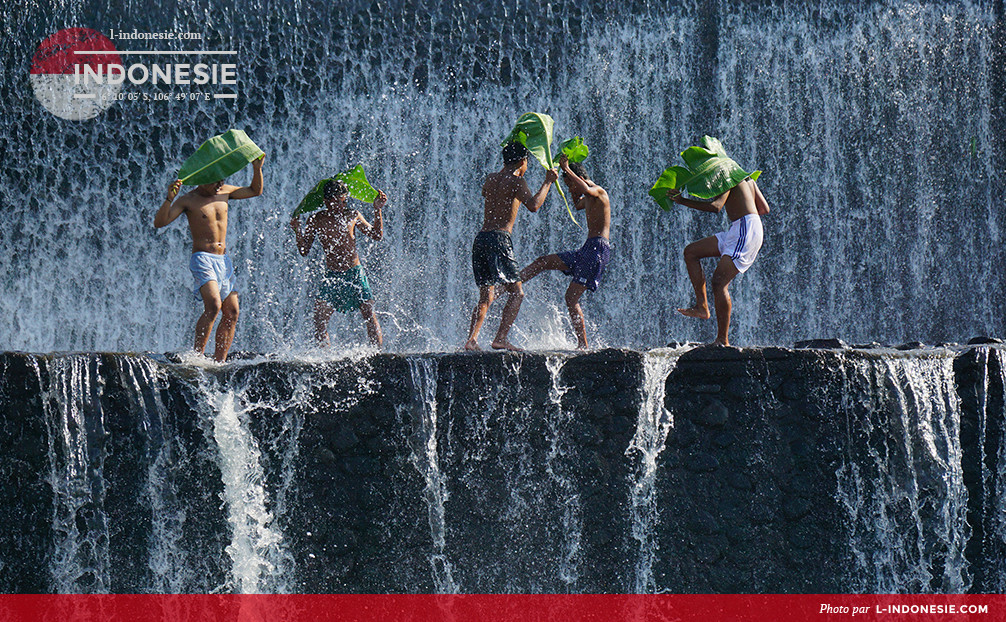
point(63, 73)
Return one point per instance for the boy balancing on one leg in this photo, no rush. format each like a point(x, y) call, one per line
point(344, 287)
point(205, 207)
point(586, 265)
point(492, 253)
point(737, 248)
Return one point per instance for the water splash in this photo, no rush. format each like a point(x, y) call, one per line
point(861, 205)
point(652, 427)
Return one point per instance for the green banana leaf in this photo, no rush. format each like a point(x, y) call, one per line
point(671, 179)
point(534, 131)
point(709, 173)
point(218, 158)
point(575, 149)
point(354, 178)
point(359, 188)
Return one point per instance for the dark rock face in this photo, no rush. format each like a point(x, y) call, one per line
point(770, 470)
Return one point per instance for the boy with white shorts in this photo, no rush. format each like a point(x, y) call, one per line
point(737, 249)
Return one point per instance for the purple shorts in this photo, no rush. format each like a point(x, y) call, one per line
point(586, 265)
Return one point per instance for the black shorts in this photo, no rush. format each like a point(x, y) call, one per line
point(492, 259)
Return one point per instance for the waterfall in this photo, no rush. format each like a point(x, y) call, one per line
point(994, 482)
point(557, 463)
point(829, 99)
point(71, 400)
point(652, 427)
point(519, 472)
point(901, 485)
point(424, 384)
point(256, 500)
point(168, 559)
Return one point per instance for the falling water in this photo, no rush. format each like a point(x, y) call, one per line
point(256, 549)
point(902, 485)
point(842, 105)
point(652, 427)
point(996, 484)
point(423, 372)
point(557, 462)
point(80, 561)
point(168, 558)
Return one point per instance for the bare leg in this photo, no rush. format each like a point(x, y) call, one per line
point(509, 315)
point(322, 314)
point(486, 297)
point(545, 262)
point(573, 293)
point(706, 247)
point(725, 272)
point(210, 292)
point(228, 324)
point(373, 327)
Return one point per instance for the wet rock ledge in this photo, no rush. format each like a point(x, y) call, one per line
point(822, 469)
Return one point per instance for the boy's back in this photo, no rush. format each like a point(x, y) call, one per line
point(501, 190)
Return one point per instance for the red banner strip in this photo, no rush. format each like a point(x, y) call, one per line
point(502, 608)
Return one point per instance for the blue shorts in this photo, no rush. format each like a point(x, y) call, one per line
point(586, 265)
point(208, 267)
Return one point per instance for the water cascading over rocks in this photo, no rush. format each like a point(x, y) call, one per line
point(688, 470)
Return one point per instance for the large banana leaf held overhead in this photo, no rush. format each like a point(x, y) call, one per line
point(218, 158)
point(534, 131)
point(708, 173)
point(354, 178)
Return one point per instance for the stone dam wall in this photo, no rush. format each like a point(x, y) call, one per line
point(684, 470)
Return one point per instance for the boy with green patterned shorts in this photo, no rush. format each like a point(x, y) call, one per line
point(344, 288)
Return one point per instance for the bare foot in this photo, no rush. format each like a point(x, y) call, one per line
point(506, 345)
point(723, 343)
point(471, 346)
point(701, 312)
point(582, 347)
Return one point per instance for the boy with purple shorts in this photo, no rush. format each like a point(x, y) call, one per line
point(587, 264)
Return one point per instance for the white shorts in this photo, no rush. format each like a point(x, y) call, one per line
point(742, 241)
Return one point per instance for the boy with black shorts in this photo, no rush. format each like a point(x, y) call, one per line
point(493, 262)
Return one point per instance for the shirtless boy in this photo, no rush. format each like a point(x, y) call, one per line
point(586, 265)
point(493, 261)
point(737, 248)
point(344, 288)
point(212, 271)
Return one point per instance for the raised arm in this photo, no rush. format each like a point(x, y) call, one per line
point(305, 239)
point(375, 231)
point(169, 211)
point(760, 203)
point(533, 203)
point(577, 185)
point(713, 206)
point(255, 189)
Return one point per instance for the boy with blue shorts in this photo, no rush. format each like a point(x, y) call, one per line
point(212, 270)
point(587, 264)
